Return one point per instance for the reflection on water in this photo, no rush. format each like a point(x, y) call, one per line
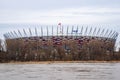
point(60, 71)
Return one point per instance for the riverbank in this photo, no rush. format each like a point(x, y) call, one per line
point(51, 62)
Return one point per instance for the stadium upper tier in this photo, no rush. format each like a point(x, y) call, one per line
point(62, 31)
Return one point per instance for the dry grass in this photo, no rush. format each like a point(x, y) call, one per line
point(51, 62)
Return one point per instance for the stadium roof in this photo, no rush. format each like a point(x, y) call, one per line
point(60, 30)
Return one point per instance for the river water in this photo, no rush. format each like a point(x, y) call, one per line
point(60, 71)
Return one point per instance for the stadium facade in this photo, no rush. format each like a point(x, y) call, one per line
point(55, 36)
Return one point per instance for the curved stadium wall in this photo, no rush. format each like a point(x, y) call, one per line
point(62, 32)
point(57, 39)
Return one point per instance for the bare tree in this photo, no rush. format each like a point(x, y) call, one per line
point(1, 47)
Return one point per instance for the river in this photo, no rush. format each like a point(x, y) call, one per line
point(60, 71)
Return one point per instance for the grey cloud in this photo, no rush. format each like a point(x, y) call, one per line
point(96, 13)
point(55, 4)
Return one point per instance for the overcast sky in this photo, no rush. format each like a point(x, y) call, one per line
point(65, 11)
point(103, 12)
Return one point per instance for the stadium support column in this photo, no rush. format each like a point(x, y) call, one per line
point(109, 34)
point(94, 31)
point(20, 49)
point(17, 51)
point(41, 32)
point(60, 28)
point(37, 40)
point(36, 32)
point(7, 36)
point(16, 34)
point(102, 33)
point(90, 31)
point(61, 41)
point(67, 34)
point(85, 34)
point(106, 33)
point(13, 36)
point(30, 32)
point(52, 31)
point(81, 31)
point(10, 35)
point(62, 31)
point(42, 35)
point(67, 30)
point(30, 42)
point(25, 34)
point(57, 31)
point(72, 32)
point(76, 32)
point(47, 37)
point(52, 36)
point(98, 31)
point(47, 32)
point(113, 34)
point(20, 34)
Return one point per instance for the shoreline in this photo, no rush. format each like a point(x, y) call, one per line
point(52, 62)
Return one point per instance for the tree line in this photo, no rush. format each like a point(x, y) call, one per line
point(47, 50)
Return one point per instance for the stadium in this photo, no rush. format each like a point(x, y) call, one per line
point(59, 42)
